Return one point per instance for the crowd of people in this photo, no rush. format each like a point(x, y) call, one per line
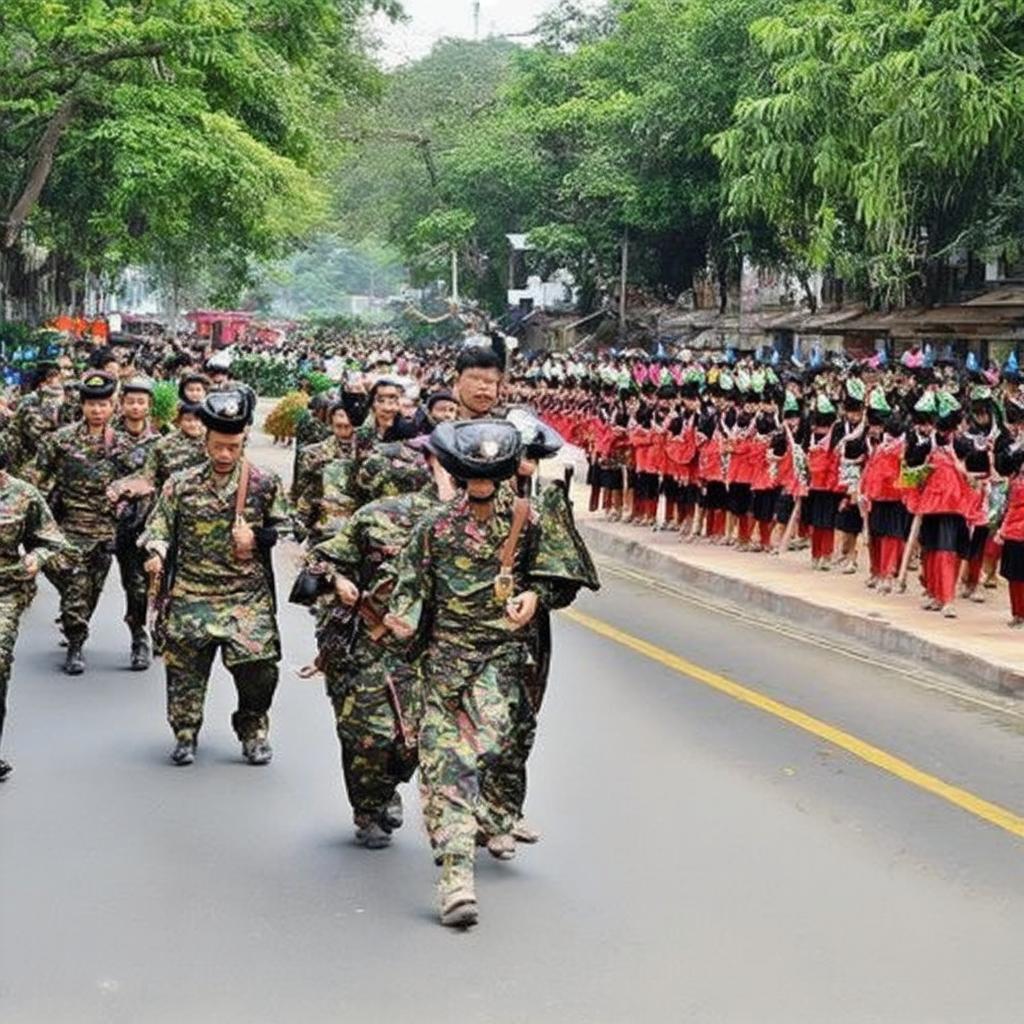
point(432, 566)
point(917, 466)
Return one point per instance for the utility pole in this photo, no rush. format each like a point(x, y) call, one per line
point(476, 21)
point(455, 276)
point(622, 282)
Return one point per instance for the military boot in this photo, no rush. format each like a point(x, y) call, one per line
point(372, 835)
point(184, 752)
point(5, 770)
point(74, 662)
point(393, 813)
point(256, 750)
point(524, 832)
point(140, 651)
point(456, 895)
point(502, 847)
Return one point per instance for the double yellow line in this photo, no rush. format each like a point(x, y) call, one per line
point(983, 809)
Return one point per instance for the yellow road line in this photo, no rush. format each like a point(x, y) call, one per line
point(990, 812)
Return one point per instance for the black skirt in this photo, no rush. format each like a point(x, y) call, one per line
point(850, 519)
point(689, 494)
point(1011, 565)
point(784, 505)
point(715, 495)
point(820, 508)
point(945, 532)
point(611, 479)
point(647, 485)
point(888, 519)
point(762, 505)
point(670, 487)
point(739, 499)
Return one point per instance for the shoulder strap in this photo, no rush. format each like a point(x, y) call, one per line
point(520, 515)
point(243, 489)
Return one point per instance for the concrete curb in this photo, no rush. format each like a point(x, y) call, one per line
point(817, 618)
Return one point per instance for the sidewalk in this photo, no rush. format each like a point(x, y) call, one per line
point(977, 647)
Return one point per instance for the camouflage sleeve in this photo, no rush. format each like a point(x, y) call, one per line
point(159, 530)
point(305, 493)
point(43, 536)
point(277, 511)
point(414, 589)
point(151, 467)
point(559, 561)
point(342, 550)
point(41, 471)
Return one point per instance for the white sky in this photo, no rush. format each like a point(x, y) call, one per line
point(430, 20)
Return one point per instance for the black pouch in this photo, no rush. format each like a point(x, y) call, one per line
point(308, 586)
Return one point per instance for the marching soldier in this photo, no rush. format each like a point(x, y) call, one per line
point(75, 467)
point(471, 578)
point(29, 536)
point(210, 540)
point(314, 519)
point(37, 415)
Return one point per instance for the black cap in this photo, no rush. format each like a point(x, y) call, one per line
point(439, 396)
point(141, 385)
point(190, 408)
point(229, 411)
point(97, 384)
point(478, 449)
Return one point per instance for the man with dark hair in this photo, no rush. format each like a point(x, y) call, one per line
point(38, 414)
point(478, 375)
point(312, 517)
point(209, 540)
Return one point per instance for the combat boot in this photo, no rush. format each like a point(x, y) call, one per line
point(140, 651)
point(502, 847)
point(74, 662)
point(394, 815)
point(5, 770)
point(373, 836)
point(456, 895)
point(524, 832)
point(184, 752)
point(256, 750)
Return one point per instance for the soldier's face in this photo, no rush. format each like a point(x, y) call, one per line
point(195, 392)
point(135, 406)
point(97, 411)
point(341, 425)
point(224, 450)
point(190, 425)
point(443, 411)
point(385, 404)
point(480, 489)
point(477, 388)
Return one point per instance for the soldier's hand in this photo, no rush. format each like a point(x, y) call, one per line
point(31, 564)
point(521, 608)
point(347, 591)
point(154, 565)
point(399, 627)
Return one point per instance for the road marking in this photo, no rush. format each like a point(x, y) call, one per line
point(990, 812)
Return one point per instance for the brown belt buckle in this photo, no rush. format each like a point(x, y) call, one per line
point(504, 586)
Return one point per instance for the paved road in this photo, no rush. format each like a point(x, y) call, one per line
point(702, 861)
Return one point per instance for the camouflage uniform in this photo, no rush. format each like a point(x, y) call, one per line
point(26, 523)
point(131, 516)
point(37, 415)
point(172, 454)
point(375, 692)
point(475, 665)
point(314, 517)
point(75, 468)
point(309, 429)
point(217, 601)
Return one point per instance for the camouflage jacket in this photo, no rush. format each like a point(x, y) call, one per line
point(308, 430)
point(37, 415)
point(308, 489)
point(445, 576)
point(26, 524)
point(172, 454)
point(195, 515)
point(75, 468)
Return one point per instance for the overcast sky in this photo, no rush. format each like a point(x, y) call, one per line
point(430, 20)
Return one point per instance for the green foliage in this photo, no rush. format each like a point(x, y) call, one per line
point(268, 377)
point(165, 402)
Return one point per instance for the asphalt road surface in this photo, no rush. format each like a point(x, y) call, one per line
point(703, 858)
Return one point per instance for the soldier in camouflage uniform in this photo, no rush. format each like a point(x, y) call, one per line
point(29, 536)
point(132, 508)
point(469, 599)
point(37, 415)
point(216, 572)
point(75, 466)
point(311, 428)
point(375, 693)
point(314, 517)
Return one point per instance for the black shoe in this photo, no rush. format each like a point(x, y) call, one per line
point(74, 663)
point(140, 653)
point(185, 751)
point(5, 770)
point(257, 751)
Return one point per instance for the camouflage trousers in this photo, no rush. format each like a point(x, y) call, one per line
point(246, 635)
point(468, 742)
point(78, 578)
point(13, 601)
point(375, 697)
